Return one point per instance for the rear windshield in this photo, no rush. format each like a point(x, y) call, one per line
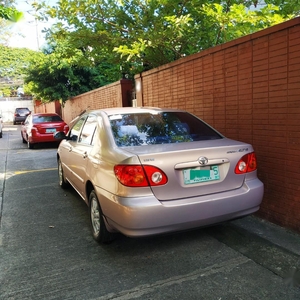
point(22, 110)
point(42, 119)
point(160, 128)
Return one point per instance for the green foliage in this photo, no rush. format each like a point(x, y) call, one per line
point(4, 12)
point(290, 8)
point(13, 65)
point(10, 13)
point(238, 22)
point(99, 39)
point(54, 76)
point(143, 34)
point(8, 16)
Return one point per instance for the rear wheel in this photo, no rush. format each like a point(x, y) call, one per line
point(99, 231)
point(63, 183)
point(30, 145)
point(24, 141)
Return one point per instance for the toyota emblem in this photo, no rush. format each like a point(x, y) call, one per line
point(202, 161)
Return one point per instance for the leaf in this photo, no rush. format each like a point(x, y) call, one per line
point(10, 13)
point(16, 16)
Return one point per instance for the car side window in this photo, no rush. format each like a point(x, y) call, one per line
point(75, 131)
point(88, 130)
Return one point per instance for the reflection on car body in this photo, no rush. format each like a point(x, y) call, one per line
point(146, 171)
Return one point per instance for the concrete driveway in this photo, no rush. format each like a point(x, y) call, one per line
point(47, 251)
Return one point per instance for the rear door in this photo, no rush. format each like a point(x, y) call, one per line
point(67, 146)
point(79, 153)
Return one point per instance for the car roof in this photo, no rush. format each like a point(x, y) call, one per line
point(123, 110)
point(142, 109)
point(45, 114)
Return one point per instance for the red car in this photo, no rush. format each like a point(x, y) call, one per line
point(40, 127)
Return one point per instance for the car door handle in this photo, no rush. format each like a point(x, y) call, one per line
point(84, 155)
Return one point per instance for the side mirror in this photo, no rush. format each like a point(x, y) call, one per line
point(60, 135)
point(74, 138)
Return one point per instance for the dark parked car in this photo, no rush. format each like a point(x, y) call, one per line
point(20, 115)
point(146, 171)
point(40, 127)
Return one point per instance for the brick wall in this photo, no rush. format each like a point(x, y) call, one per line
point(248, 89)
point(51, 107)
point(112, 95)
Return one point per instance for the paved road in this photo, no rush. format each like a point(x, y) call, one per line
point(47, 252)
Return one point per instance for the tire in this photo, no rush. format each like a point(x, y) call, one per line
point(99, 230)
point(30, 145)
point(23, 140)
point(63, 183)
point(0, 134)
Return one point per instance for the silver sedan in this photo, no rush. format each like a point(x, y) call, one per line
point(146, 171)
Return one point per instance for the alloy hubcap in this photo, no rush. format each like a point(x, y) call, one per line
point(95, 215)
point(60, 174)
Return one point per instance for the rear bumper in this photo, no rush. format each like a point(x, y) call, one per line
point(42, 138)
point(147, 216)
point(19, 119)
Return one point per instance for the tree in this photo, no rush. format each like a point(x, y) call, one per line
point(10, 13)
point(13, 65)
point(145, 34)
point(237, 21)
point(98, 38)
point(286, 8)
point(55, 76)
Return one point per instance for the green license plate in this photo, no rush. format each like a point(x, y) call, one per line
point(205, 174)
point(50, 130)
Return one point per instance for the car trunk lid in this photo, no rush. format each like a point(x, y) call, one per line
point(50, 128)
point(195, 169)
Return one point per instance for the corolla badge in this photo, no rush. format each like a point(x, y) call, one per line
point(239, 150)
point(202, 161)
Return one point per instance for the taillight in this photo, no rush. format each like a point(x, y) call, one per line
point(66, 129)
point(155, 176)
point(247, 163)
point(34, 129)
point(140, 176)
